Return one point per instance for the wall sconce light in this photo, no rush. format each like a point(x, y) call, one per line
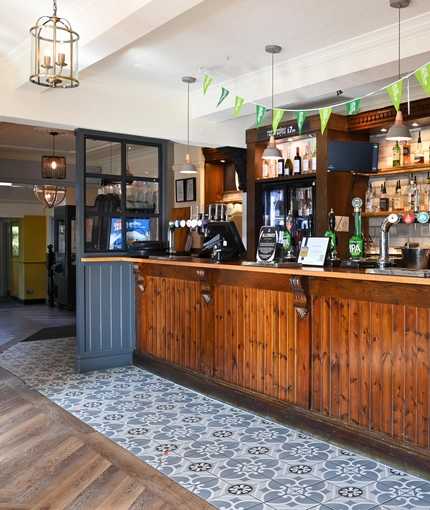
point(53, 167)
point(188, 167)
point(54, 52)
point(50, 195)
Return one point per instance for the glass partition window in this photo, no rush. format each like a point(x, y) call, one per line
point(122, 193)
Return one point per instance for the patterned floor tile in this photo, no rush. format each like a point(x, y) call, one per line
point(232, 458)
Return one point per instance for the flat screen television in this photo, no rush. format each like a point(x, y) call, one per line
point(225, 234)
point(359, 157)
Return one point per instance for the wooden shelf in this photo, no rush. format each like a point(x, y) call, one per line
point(425, 167)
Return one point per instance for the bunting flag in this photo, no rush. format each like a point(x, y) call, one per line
point(260, 112)
point(324, 116)
point(224, 94)
point(238, 105)
point(395, 91)
point(207, 81)
point(352, 107)
point(277, 117)
point(300, 116)
point(423, 77)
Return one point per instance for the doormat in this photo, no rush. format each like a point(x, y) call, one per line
point(51, 333)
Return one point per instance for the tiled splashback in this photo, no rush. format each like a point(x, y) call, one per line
point(400, 234)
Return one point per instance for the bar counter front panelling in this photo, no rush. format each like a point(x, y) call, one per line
point(336, 353)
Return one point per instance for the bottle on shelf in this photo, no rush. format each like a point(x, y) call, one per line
point(369, 205)
point(398, 198)
point(273, 168)
point(297, 162)
point(410, 204)
point(384, 202)
point(396, 154)
point(288, 169)
point(427, 193)
point(281, 165)
point(265, 170)
point(419, 154)
point(406, 153)
point(314, 159)
point(307, 161)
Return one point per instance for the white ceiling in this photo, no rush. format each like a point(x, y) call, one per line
point(147, 46)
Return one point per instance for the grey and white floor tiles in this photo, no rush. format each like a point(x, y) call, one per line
point(227, 456)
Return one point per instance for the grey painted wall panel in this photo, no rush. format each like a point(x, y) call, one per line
point(109, 319)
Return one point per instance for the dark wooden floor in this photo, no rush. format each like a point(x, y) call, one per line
point(51, 460)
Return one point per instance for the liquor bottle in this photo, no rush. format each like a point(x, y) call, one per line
point(273, 168)
point(297, 162)
point(281, 165)
point(418, 154)
point(288, 170)
point(307, 161)
point(410, 204)
point(314, 159)
point(406, 153)
point(384, 202)
point(427, 193)
point(368, 199)
point(265, 170)
point(398, 198)
point(356, 243)
point(396, 154)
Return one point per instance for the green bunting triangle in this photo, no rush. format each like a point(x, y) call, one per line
point(395, 91)
point(260, 111)
point(277, 117)
point(207, 81)
point(423, 77)
point(352, 107)
point(238, 105)
point(300, 116)
point(224, 94)
point(324, 116)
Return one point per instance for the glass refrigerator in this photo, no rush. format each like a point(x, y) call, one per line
point(290, 206)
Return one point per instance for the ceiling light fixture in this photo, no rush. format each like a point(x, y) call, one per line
point(53, 167)
point(50, 195)
point(399, 132)
point(271, 151)
point(188, 167)
point(54, 52)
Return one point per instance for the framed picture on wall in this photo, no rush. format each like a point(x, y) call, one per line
point(190, 189)
point(180, 197)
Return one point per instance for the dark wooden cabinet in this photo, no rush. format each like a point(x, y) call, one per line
point(333, 190)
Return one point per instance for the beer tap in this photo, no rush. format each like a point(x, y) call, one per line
point(331, 233)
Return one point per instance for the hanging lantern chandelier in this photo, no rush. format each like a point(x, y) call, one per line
point(53, 167)
point(54, 52)
point(50, 195)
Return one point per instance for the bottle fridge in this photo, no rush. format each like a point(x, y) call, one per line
point(290, 206)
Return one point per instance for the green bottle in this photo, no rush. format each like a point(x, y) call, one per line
point(356, 243)
point(332, 234)
point(396, 154)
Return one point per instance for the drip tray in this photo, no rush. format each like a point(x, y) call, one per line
point(401, 271)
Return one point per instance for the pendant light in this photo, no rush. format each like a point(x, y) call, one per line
point(399, 132)
point(50, 195)
point(54, 52)
point(188, 167)
point(271, 151)
point(53, 167)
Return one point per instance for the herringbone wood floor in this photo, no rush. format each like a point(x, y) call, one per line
point(49, 459)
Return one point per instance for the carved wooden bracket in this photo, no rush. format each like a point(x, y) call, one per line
point(300, 298)
point(205, 287)
point(139, 278)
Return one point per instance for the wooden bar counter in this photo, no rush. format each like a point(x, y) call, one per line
point(336, 353)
